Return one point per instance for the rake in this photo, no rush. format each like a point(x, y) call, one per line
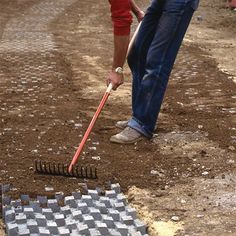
point(74, 170)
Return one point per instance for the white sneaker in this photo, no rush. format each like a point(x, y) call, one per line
point(127, 136)
point(122, 124)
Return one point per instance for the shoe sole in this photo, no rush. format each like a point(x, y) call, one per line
point(125, 142)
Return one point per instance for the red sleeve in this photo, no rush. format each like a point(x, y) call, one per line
point(121, 16)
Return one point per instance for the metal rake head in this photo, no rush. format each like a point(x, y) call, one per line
point(52, 168)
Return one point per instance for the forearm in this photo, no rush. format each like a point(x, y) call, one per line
point(121, 44)
point(134, 7)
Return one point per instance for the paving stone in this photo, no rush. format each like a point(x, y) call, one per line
point(59, 219)
point(25, 198)
point(70, 224)
point(5, 188)
point(114, 214)
point(9, 215)
point(32, 225)
point(122, 228)
point(70, 201)
point(16, 203)
point(135, 233)
point(76, 195)
point(52, 203)
point(36, 206)
point(113, 232)
point(83, 229)
point(89, 221)
point(24, 232)
point(106, 201)
point(131, 212)
point(44, 231)
point(74, 233)
point(108, 220)
point(82, 206)
point(94, 232)
point(21, 218)
point(87, 199)
point(65, 210)
point(52, 227)
point(95, 213)
point(19, 209)
point(121, 198)
point(41, 220)
point(42, 199)
point(93, 194)
point(29, 212)
point(102, 228)
point(110, 193)
point(140, 226)
point(59, 196)
point(12, 229)
point(101, 206)
point(48, 213)
point(77, 215)
point(119, 206)
point(63, 231)
point(115, 187)
point(6, 200)
point(128, 220)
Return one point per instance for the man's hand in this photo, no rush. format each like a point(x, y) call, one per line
point(139, 15)
point(115, 79)
point(137, 11)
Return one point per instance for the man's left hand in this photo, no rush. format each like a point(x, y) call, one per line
point(115, 79)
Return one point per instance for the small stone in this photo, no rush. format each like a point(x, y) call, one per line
point(175, 218)
point(200, 216)
point(231, 148)
point(205, 173)
point(49, 189)
point(230, 161)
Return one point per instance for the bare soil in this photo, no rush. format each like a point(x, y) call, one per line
point(52, 74)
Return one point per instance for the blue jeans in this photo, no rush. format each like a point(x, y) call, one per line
point(152, 57)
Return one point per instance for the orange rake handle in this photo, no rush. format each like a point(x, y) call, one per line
point(90, 127)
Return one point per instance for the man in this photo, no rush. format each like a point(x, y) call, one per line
point(151, 58)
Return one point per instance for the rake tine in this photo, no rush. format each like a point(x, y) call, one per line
point(40, 166)
point(43, 167)
point(67, 172)
point(36, 165)
point(82, 172)
point(58, 169)
point(91, 173)
point(54, 168)
point(49, 168)
point(77, 171)
point(96, 174)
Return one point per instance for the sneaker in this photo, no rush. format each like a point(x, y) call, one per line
point(122, 124)
point(127, 136)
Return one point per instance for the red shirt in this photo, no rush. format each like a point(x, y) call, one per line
point(121, 16)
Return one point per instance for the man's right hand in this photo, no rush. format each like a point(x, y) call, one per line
point(116, 79)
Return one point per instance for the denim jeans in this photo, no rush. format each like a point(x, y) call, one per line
point(152, 57)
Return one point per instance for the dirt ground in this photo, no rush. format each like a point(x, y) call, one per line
point(54, 56)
